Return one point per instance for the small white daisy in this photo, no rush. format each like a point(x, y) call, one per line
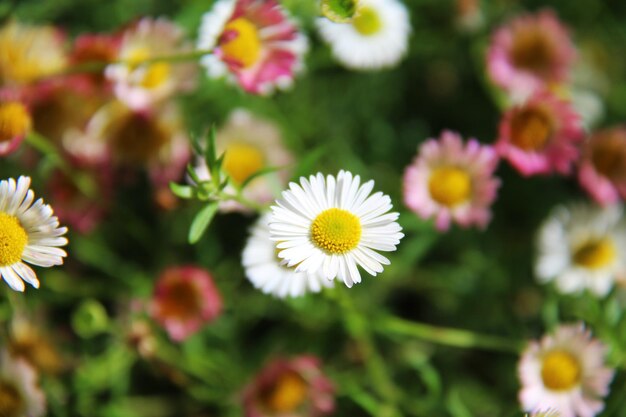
point(565, 373)
point(581, 247)
point(377, 37)
point(28, 232)
point(269, 273)
point(332, 225)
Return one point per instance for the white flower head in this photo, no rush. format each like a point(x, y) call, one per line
point(581, 247)
point(28, 233)
point(564, 372)
point(377, 37)
point(334, 224)
point(267, 272)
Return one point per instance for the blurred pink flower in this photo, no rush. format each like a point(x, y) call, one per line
point(20, 393)
point(541, 135)
point(565, 372)
point(95, 49)
point(290, 388)
point(451, 181)
point(142, 85)
point(15, 124)
point(602, 171)
point(530, 52)
point(184, 299)
point(254, 41)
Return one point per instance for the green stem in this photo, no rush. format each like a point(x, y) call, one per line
point(390, 325)
point(243, 201)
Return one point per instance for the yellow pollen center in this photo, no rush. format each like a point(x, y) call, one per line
point(595, 254)
point(13, 240)
point(336, 231)
point(530, 129)
point(367, 21)
point(560, 370)
point(608, 155)
point(533, 51)
point(244, 46)
point(181, 301)
point(450, 186)
point(288, 393)
point(155, 74)
point(14, 121)
point(242, 160)
point(11, 401)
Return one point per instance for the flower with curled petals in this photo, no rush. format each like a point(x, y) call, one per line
point(334, 225)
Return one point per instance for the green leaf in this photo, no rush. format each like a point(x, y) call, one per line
point(202, 221)
point(339, 11)
point(210, 152)
point(182, 191)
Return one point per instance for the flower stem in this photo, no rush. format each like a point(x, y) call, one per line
point(394, 326)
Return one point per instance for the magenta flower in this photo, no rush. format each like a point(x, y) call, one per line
point(602, 171)
point(184, 299)
point(254, 42)
point(530, 52)
point(451, 181)
point(540, 136)
point(290, 388)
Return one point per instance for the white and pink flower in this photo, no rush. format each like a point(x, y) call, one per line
point(565, 372)
point(530, 52)
point(19, 389)
point(452, 181)
point(254, 42)
point(541, 135)
point(602, 170)
point(185, 298)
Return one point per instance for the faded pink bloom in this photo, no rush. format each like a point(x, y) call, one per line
point(541, 135)
point(452, 181)
point(290, 388)
point(254, 41)
point(142, 85)
point(565, 372)
point(602, 171)
point(530, 52)
point(95, 48)
point(21, 394)
point(184, 299)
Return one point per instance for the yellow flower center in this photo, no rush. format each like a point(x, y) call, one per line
point(11, 401)
point(14, 121)
point(137, 138)
point(180, 301)
point(336, 231)
point(595, 254)
point(530, 129)
point(533, 51)
point(560, 370)
point(287, 394)
point(242, 160)
point(608, 154)
point(450, 186)
point(245, 45)
point(367, 21)
point(13, 240)
point(155, 74)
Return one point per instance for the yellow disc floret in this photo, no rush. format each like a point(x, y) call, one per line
point(13, 240)
point(560, 370)
point(14, 121)
point(531, 129)
point(286, 395)
point(242, 43)
point(242, 160)
point(11, 402)
point(367, 21)
point(595, 254)
point(336, 231)
point(450, 186)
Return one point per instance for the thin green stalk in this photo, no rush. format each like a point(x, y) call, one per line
point(394, 326)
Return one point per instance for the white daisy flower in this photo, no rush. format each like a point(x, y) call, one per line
point(377, 37)
point(581, 247)
point(28, 232)
point(332, 225)
point(565, 372)
point(20, 395)
point(267, 272)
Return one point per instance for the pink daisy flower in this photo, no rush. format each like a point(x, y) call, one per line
point(530, 52)
point(254, 41)
point(541, 135)
point(565, 372)
point(451, 181)
point(290, 387)
point(602, 171)
point(184, 299)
